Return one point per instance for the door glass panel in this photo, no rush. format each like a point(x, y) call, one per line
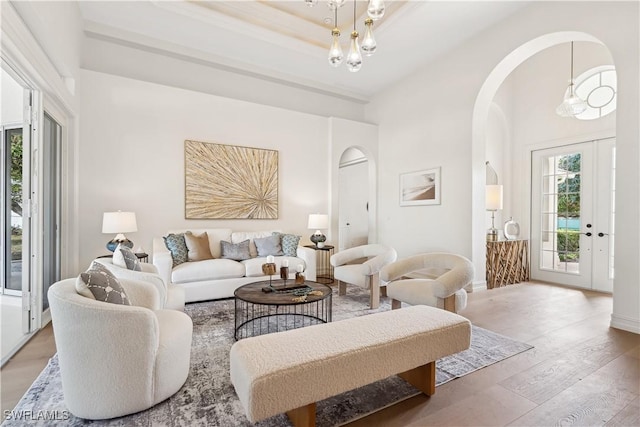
point(13, 209)
point(560, 221)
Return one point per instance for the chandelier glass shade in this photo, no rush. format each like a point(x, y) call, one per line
point(375, 11)
point(572, 104)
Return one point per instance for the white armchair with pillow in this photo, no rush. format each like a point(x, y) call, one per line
point(365, 274)
point(169, 296)
point(117, 359)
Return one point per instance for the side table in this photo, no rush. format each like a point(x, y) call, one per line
point(324, 269)
point(143, 257)
point(507, 262)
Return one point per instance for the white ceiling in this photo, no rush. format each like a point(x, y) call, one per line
point(288, 41)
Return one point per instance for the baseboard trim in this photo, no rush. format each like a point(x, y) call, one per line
point(476, 285)
point(625, 323)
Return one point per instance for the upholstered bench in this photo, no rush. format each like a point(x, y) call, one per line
point(290, 371)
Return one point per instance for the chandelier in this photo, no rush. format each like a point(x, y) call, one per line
point(572, 104)
point(375, 11)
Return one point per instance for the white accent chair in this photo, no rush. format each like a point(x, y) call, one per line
point(118, 359)
point(364, 274)
point(434, 279)
point(170, 296)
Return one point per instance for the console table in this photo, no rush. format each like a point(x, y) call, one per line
point(507, 262)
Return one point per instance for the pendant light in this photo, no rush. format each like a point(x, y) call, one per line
point(311, 3)
point(369, 42)
point(354, 57)
point(335, 4)
point(335, 51)
point(376, 9)
point(571, 105)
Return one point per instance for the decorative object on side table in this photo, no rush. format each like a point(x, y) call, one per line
point(119, 223)
point(318, 222)
point(511, 229)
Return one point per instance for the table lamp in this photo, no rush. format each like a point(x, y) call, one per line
point(119, 223)
point(493, 203)
point(318, 222)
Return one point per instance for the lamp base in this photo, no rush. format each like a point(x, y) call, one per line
point(492, 235)
point(113, 244)
point(318, 239)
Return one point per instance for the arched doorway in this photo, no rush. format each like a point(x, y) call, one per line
point(481, 113)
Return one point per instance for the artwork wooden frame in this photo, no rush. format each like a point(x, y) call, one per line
point(230, 181)
point(420, 188)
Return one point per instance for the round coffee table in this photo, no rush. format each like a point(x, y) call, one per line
point(258, 312)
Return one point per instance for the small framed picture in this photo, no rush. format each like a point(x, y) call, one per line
point(420, 188)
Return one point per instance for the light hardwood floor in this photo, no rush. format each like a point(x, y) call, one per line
point(581, 372)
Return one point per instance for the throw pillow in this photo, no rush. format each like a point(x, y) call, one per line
point(289, 243)
point(237, 252)
point(270, 245)
point(178, 248)
point(118, 258)
point(131, 261)
point(99, 283)
point(197, 246)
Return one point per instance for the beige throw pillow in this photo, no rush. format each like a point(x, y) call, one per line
point(197, 246)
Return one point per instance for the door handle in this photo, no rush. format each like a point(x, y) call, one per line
point(602, 234)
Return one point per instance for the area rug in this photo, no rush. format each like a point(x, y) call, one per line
point(208, 397)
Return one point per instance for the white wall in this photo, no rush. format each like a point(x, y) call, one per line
point(132, 156)
point(426, 121)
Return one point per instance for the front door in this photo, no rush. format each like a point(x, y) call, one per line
point(572, 219)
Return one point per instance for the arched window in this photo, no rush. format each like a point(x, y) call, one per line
point(597, 86)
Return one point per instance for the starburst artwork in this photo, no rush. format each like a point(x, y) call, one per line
point(230, 182)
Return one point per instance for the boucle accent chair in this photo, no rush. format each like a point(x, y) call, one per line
point(290, 371)
point(435, 279)
point(118, 359)
point(170, 296)
point(365, 274)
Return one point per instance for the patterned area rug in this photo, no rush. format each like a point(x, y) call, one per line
point(208, 398)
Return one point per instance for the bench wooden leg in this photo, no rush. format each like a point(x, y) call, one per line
point(423, 378)
point(395, 304)
point(342, 287)
point(304, 416)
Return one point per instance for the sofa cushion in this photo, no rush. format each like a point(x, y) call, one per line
point(210, 269)
point(240, 236)
point(237, 252)
point(289, 243)
point(270, 245)
point(197, 246)
point(131, 261)
point(100, 284)
point(253, 266)
point(178, 248)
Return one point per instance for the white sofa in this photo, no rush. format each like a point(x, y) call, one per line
point(219, 278)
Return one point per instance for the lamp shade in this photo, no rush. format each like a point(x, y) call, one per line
point(493, 197)
point(318, 221)
point(119, 222)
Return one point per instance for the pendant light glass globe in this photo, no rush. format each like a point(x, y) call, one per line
point(376, 9)
point(335, 4)
point(572, 105)
point(354, 58)
point(369, 42)
point(335, 51)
